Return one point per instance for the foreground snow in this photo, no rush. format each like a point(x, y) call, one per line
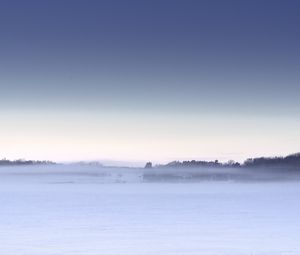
point(70, 214)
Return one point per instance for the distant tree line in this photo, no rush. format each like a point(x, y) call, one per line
point(21, 162)
point(202, 163)
point(290, 161)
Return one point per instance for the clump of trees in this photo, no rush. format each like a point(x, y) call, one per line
point(22, 162)
point(202, 163)
point(292, 161)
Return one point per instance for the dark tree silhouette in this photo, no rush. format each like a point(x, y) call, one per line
point(148, 165)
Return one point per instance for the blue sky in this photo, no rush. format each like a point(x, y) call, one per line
point(149, 80)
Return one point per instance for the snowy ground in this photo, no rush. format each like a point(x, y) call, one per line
point(69, 213)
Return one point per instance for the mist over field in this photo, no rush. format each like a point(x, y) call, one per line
point(73, 173)
point(83, 209)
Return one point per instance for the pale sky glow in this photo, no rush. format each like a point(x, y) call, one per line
point(142, 137)
point(149, 80)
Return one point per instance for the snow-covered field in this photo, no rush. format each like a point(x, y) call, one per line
point(74, 213)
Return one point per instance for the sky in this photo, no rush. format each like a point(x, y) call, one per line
point(147, 80)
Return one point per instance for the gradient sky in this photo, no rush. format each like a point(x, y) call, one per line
point(149, 80)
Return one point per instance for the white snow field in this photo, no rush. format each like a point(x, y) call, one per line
point(75, 212)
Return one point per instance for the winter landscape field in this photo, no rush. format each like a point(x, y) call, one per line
point(88, 211)
point(159, 127)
